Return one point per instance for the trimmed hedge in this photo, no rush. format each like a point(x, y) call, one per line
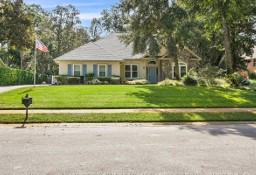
point(64, 79)
point(10, 76)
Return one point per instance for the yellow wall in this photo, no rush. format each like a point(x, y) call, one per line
point(63, 66)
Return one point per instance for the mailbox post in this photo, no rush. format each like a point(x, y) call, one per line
point(27, 100)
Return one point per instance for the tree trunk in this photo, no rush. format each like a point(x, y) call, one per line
point(177, 71)
point(21, 50)
point(227, 44)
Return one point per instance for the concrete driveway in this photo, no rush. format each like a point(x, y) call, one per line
point(9, 88)
point(128, 149)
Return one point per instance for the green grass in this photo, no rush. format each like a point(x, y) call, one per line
point(129, 117)
point(127, 96)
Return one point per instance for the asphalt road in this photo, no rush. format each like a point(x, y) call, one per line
point(128, 149)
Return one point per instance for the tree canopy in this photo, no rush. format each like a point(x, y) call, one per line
point(60, 30)
point(215, 30)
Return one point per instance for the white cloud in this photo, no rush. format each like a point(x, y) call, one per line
point(89, 16)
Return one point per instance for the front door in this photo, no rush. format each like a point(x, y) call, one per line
point(152, 74)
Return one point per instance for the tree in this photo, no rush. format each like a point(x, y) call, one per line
point(17, 26)
point(154, 24)
point(59, 37)
point(95, 29)
point(232, 20)
point(114, 20)
point(64, 23)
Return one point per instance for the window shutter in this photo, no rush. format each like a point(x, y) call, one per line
point(70, 70)
point(109, 70)
point(95, 70)
point(84, 69)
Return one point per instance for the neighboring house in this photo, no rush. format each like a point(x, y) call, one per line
point(251, 66)
point(109, 56)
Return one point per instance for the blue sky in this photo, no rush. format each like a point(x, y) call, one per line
point(88, 8)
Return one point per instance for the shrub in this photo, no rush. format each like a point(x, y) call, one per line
point(237, 81)
point(19, 77)
point(73, 80)
point(96, 81)
point(168, 82)
point(61, 79)
point(252, 76)
point(138, 81)
point(252, 86)
point(201, 82)
point(104, 79)
point(221, 82)
point(189, 80)
point(89, 76)
point(208, 74)
point(115, 80)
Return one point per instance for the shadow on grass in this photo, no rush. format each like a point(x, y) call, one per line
point(26, 91)
point(180, 96)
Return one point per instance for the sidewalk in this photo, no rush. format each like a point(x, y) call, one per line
point(77, 111)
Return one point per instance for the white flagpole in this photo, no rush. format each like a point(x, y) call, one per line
point(35, 65)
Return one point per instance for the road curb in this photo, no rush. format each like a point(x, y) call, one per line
point(81, 111)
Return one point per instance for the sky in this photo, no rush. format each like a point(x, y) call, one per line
point(89, 9)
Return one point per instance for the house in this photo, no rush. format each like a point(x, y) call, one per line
point(109, 56)
point(251, 66)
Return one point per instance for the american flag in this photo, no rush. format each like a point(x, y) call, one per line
point(40, 46)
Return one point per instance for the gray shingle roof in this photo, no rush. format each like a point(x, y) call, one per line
point(109, 48)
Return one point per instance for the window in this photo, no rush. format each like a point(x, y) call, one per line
point(131, 71)
point(102, 70)
point(77, 70)
point(182, 69)
point(254, 62)
point(151, 63)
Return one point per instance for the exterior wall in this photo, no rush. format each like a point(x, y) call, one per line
point(63, 66)
point(252, 68)
point(168, 67)
point(142, 66)
point(165, 67)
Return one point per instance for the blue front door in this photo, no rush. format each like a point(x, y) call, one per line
point(152, 74)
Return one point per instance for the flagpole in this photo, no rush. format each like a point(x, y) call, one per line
point(35, 65)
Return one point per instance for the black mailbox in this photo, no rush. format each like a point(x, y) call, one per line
point(27, 100)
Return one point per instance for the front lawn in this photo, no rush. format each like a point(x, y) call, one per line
point(130, 117)
point(127, 96)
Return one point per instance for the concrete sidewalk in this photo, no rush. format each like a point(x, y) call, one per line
point(81, 111)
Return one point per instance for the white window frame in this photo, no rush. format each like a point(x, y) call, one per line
point(254, 62)
point(180, 65)
point(74, 69)
point(131, 77)
point(105, 69)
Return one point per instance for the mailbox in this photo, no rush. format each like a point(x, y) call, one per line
point(27, 100)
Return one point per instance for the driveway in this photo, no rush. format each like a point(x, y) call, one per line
point(128, 149)
point(9, 88)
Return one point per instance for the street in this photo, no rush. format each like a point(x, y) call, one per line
point(128, 148)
